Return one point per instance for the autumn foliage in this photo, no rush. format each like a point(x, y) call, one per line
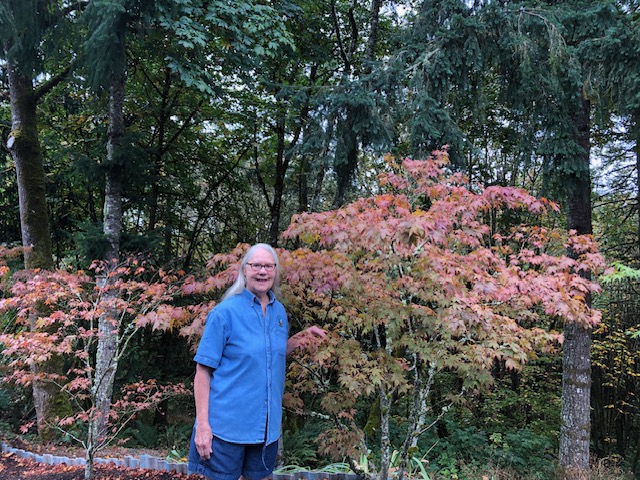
point(57, 314)
point(431, 276)
point(434, 275)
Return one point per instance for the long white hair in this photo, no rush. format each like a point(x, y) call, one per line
point(241, 281)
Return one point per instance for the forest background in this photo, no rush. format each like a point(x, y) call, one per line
point(176, 130)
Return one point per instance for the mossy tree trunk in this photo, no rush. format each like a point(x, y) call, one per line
point(24, 145)
point(107, 59)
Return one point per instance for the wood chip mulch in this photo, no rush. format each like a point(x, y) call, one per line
point(13, 467)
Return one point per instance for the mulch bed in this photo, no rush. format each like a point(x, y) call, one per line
point(13, 467)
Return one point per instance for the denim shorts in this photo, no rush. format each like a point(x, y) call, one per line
point(230, 460)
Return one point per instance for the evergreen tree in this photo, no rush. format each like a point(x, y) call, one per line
point(530, 57)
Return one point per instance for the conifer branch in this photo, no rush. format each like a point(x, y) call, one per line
point(46, 87)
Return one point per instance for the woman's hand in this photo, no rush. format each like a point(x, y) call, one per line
point(201, 385)
point(304, 339)
point(203, 441)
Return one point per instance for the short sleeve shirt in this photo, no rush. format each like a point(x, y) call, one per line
point(247, 351)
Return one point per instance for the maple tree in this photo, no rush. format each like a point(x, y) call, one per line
point(433, 275)
point(69, 306)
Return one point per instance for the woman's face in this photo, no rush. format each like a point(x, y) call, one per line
point(260, 282)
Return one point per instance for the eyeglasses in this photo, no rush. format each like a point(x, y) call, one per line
point(256, 267)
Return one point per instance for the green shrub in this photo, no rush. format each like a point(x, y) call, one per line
point(523, 451)
point(176, 438)
point(299, 448)
point(5, 400)
point(142, 435)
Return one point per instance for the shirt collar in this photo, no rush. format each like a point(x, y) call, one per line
point(252, 298)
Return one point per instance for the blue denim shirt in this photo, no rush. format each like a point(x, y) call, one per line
point(247, 351)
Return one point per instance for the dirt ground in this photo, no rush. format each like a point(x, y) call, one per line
point(13, 467)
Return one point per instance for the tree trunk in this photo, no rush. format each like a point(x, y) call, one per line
point(115, 161)
point(303, 184)
point(106, 357)
point(636, 151)
point(24, 145)
point(284, 155)
point(163, 118)
point(320, 175)
point(576, 387)
point(282, 164)
point(346, 160)
point(385, 435)
point(576, 376)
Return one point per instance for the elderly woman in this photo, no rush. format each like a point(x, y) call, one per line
point(240, 374)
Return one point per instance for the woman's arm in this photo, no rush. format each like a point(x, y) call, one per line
point(201, 386)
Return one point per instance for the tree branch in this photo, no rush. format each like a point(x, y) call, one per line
point(336, 26)
point(46, 87)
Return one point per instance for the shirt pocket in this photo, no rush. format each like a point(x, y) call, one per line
point(279, 339)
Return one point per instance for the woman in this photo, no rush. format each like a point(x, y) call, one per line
point(240, 374)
